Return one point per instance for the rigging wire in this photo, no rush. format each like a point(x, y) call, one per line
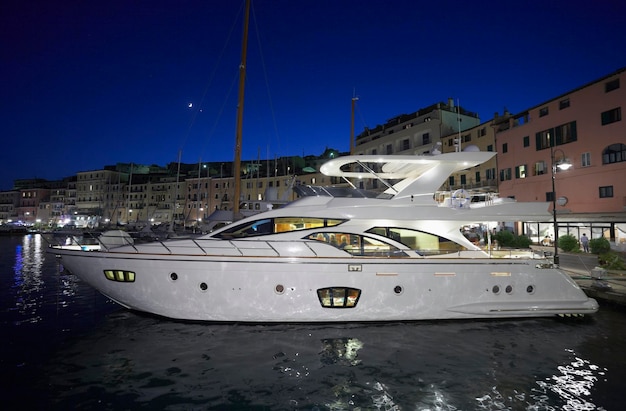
point(264, 69)
point(210, 81)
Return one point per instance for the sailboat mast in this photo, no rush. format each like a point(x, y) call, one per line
point(242, 81)
point(354, 99)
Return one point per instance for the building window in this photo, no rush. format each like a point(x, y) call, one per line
point(505, 147)
point(611, 85)
point(505, 174)
point(540, 168)
point(586, 159)
point(389, 149)
point(467, 138)
point(520, 171)
point(543, 139)
point(491, 174)
point(612, 116)
point(526, 141)
point(405, 144)
point(550, 196)
point(565, 133)
point(478, 176)
point(463, 179)
point(482, 132)
point(425, 138)
point(615, 153)
point(563, 104)
point(606, 191)
point(451, 181)
point(543, 111)
point(490, 147)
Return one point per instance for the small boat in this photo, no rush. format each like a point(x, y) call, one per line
point(397, 256)
point(12, 229)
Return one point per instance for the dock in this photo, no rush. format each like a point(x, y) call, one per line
point(606, 286)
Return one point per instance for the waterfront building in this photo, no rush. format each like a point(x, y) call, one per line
point(52, 210)
point(97, 193)
point(28, 207)
point(9, 201)
point(585, 128)
point(483, 177)
point(417, 133)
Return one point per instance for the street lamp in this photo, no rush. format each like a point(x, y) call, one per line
point(562, 164)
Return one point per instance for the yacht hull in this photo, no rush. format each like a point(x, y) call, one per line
point(298, 289)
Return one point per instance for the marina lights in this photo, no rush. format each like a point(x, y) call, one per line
point(562, 164)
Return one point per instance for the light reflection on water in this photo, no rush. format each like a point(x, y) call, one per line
point(76, 350)
point(28, 281)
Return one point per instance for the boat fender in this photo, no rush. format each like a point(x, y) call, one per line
point(460, 198)
point(460, 193)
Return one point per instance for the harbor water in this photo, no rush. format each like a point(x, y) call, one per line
point(65, 346)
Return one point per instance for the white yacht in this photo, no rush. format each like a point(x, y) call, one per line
point(397, 256)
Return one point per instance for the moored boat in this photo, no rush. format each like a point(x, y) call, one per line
point(323, 258)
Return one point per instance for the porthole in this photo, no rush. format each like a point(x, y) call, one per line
point(397, 289)
point(508, 289)
point(173, 276)
point(279, 289)
point(496, 289)
point(530, 289)
point(204, 286)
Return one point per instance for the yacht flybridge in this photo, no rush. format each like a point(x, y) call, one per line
point(322, 258)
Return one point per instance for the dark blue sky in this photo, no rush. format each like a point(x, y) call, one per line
point(91, 83)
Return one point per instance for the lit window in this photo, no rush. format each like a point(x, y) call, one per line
point(122, 276)
point(338, 297)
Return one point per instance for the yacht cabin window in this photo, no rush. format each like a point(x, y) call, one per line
point(357, 244)
point(421, 242)
point(265, 226)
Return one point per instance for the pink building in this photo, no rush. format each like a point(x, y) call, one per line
point(583, 127)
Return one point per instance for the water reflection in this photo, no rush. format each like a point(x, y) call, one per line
point(27, 279)
point(105, 357)
point(395, 366)
point(574, 384)
point(39, 289)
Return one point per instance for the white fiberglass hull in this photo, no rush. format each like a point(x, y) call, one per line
point(285, 289)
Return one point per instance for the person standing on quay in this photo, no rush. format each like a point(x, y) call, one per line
point(585, 242)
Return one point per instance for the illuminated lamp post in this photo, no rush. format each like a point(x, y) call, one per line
point(562, 164)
